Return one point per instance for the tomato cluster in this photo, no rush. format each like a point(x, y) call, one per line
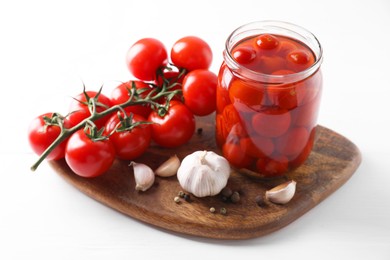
point(159, 106)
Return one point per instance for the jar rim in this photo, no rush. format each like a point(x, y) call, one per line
point(289, 29)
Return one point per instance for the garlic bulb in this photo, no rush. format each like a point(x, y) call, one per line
point(282, 193)
point(203, 173)
point(143, 175)
point(169, 167)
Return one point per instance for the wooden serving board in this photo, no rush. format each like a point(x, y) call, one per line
point(332, 162)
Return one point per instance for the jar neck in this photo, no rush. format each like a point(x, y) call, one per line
point(278, 28)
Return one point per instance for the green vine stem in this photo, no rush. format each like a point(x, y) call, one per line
point(150, 99)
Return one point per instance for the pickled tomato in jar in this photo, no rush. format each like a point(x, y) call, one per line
point(268, 97)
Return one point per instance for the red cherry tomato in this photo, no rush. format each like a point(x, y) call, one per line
point(272, 167)
point(230, 118)
point(129, 144)
point(75, 117)
point(299, 60)
point(88, 158)
point(300, 159)
point(257, 146)
point(41, 136)
point(267, 41)
point(271, 122)
point(223, 98)
point(170, 77)
point(286, 47)
point(293, 142)
point(121, 94)
point(79, 103)
point(175, 128)
point(191, 53)
point(220, 130)
point(286, 96)
point(173, 81)
point(271, 64)
point(245, 96)
point(199, 92)
point(236, 156)
point(244, 54)
point(300, 57)
point(145, 57)
point(305, 115)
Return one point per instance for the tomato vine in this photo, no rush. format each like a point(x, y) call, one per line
point(165, 91)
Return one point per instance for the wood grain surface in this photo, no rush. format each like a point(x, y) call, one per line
point(332, 162)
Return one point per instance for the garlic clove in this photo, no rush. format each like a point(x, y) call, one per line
point(169, 167)
point(282, 193)
point(143, 175)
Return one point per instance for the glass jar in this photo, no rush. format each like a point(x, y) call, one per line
point(268, 97)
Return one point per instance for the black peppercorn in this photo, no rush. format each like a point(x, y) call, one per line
point(260, 201)
point(187, 197)
point(226, 192)
point(235, 197)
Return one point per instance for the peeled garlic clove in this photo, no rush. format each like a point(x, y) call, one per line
point(282, 193)
point(169, 167)
point(143, 175)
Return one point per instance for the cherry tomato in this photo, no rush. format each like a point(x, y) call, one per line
point(267, 41)
point(121, 94)
point(286, 47)
point(250, 96)
point(293, 142)
point(75, 117)
point(199, 92)
point(272, 167)
point(170, 77)
point(175, 128)
point(305, 115)
point(129, 144)
point(270, 64)
point(313, 87)
point(230, 118)
point(286, 96)
point(299, 60)
point(271, 122)
point(220, 130)
point(301, 158)
point(88, 158)
point(223, 98)
point(144, 58)
point(41, 136)
point(191, 53)
point(79, 103)
point(173, 80)
point(257, 146)
point(235, 155)
point(244, 54)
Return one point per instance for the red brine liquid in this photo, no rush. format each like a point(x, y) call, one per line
point(268, 126)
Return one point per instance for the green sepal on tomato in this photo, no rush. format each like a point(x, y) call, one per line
point(42, 132)
point(135, 89)
point(130, 135)
point(82, 102)
point(87, 156)
point(175, 128)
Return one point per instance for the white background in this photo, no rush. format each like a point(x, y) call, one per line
point(48, 48)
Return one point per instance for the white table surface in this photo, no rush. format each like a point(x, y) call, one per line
point(49, 48)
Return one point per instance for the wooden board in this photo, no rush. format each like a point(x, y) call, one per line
point(332, 162)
